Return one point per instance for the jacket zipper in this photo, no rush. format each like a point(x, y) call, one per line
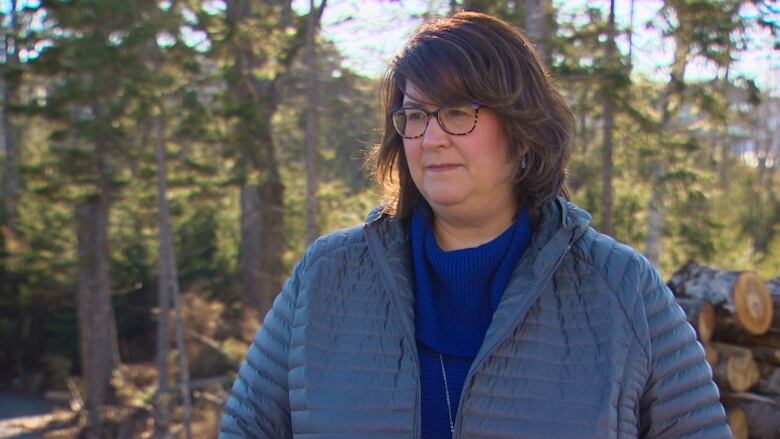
point(509, 330)
point(408, 336)
point(418, 420)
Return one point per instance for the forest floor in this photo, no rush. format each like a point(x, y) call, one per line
point(216, 342)
point(129, 415)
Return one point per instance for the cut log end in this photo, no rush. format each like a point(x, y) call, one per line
point(736, 369)
point(700, 315)
point(753, 303)
point(737, 296)
point(706, 322)
point(742, 373)
point(711, 354)
point(738, 421)
point(761, 413)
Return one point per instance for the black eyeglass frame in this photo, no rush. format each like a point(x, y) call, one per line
point(428, 115)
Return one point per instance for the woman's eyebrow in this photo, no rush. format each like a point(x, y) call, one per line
point(412, 102)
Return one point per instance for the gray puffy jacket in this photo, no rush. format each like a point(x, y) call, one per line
point(587, 342)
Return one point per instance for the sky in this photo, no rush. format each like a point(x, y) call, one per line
point(369, 32)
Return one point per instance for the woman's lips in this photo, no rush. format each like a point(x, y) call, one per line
point(444, 167)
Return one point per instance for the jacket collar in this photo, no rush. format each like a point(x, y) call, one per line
point(559, 216)
point(562, 223)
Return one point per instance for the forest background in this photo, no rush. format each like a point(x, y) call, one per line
point(166, 162)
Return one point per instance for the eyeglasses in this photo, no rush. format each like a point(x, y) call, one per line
point(410, 123)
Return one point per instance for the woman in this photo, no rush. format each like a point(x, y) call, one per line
point(478, 302)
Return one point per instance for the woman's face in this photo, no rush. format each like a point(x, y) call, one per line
point(461, 175)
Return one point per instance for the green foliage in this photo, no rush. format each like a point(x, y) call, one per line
point(759, 220)
point(202, 266)
point(509, 11)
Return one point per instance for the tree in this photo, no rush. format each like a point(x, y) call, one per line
point(254, 80)
point(162, 78)
point(537, 16)
point(97, 328)
point(607, 165)
point(91, 60)
point(168, 289)
point(698, 28)
point(312, 104)
point(9, 87)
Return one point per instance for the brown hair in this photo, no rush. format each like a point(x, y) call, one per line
point(473, 57)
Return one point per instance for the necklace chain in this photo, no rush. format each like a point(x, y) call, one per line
point(447, 395)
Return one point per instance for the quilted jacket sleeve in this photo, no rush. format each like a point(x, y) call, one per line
point(258, 405)
point(680, 400)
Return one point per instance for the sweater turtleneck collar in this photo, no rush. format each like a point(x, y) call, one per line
point(458, 291)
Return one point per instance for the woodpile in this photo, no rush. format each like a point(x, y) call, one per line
point(737, 319)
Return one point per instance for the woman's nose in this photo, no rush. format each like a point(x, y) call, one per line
point(434, 135)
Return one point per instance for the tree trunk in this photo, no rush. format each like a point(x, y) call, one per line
point(97, 325)
point(262, 230)
point(536, 12)
point(312, 104)
point(11, 179)
point(655, 216)
point(184, 368)
point(168, 289)
point(97, 328)
point(770, 339)
point(262, 243)
point(631, 38)
point(272, 194)
point(738, 297)
point(607, 166)
point(251, 229)
point(262, 195)
point(163, 285)
point(725, 159)
point(670, 106)
point(583, 108)
point(262, 235)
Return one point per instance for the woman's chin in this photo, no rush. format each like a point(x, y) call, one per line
point(444, 199)
point(452, 206)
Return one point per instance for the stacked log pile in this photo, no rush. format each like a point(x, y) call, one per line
point(737, 319)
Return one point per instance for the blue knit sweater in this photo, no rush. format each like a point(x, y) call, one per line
point(456, 295)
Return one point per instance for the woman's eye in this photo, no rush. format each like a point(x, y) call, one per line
point(456, 113)
point(415, 115)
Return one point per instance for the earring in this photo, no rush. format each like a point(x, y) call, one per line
point(524, 162)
